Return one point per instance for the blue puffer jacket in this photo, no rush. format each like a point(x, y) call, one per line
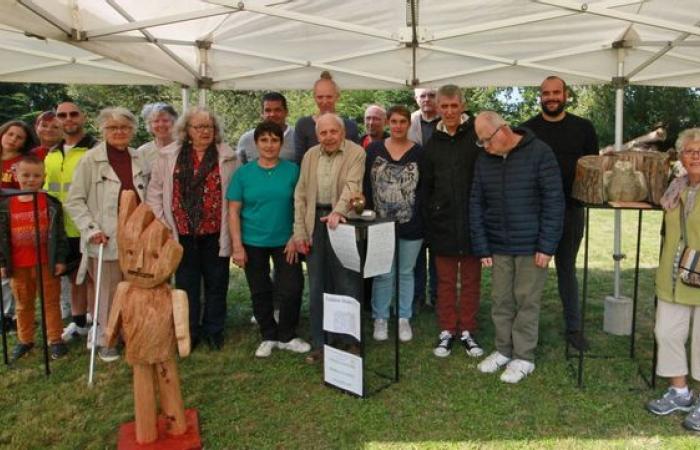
point(517, 201)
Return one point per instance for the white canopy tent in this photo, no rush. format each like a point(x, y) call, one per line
point(388, 44)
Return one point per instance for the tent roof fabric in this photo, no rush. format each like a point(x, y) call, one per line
point(278, 44)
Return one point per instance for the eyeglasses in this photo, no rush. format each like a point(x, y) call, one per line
point(484, 142)
point(121, 128)
point(200, 128)
point(691, 153)
point(71, 114)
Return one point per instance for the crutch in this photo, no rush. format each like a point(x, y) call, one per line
point(91, 371)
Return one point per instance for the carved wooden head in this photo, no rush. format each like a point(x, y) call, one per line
point(147, 253)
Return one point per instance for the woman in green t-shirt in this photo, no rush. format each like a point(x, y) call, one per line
point(261, 215)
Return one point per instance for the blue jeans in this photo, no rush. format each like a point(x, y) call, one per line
point(383, 285)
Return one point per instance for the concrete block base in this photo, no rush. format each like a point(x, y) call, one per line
point(617, 319)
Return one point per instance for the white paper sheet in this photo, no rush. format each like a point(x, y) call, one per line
point(342, 369)
point(380, 249)
point(344, 246)
point(341, 314)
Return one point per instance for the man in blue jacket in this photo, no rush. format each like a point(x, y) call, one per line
point(516, 215)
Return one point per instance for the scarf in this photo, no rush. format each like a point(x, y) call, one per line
point(191, 183)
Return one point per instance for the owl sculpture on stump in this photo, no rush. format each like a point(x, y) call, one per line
point(152, 318)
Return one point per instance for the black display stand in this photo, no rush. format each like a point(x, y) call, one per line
point(361, 228)
point(6, 193)
point(580, 355)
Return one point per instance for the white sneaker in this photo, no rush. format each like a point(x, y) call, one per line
point(276, 314)
point(516, 370)
point(493, 362)
point(381, 330)
point(73, 331)
point(252, 320)
point(265, 349)
point(405, 331)
point(296, 345)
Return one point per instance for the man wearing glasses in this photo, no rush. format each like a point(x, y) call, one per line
point(570, 137)
point(446, 174)
point(516, 212)
point(60, 164)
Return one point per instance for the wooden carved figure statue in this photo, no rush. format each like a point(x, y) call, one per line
point(152, 317)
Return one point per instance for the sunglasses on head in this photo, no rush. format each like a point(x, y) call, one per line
point(71, 114)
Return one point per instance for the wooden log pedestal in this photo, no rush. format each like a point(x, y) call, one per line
point(190, 440)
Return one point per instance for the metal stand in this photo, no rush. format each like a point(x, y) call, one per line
point(584, 297)
point(361, 234)
point(6, 193)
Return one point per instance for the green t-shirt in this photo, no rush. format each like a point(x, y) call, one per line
point(267, 197)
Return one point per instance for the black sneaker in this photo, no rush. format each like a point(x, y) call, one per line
point(10, 325)
point(577, 340)
point(215, 341)
point(444, 345)
point(21, 350)
point(58, 350)
point(471, 345)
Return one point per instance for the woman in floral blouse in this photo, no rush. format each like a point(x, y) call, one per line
point(187, 191)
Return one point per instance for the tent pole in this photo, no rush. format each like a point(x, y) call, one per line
point(185, 99)
point(205, 81)
point(619, 105)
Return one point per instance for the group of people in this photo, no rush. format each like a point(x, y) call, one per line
point(466, 192)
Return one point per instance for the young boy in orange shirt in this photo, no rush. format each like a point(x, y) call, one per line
point(18, 257)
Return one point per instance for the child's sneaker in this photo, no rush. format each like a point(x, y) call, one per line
point(21, 350)
point(58, 350)
point(444, 345)
point(381, 330)
point(405, 331)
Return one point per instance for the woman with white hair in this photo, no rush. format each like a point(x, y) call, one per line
point(679, 300)
point(159, 119)
point(187, 192)
point(93, 201)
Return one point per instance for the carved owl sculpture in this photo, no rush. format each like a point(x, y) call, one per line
point(624, 184)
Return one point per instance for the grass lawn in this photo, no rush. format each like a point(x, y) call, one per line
point(281, 402)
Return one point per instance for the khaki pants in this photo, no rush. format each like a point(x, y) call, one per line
point(671, 331)
point(111, 276)
point(516, 290)
point(25, 288)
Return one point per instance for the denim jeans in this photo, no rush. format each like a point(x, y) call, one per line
point(383, 287)
point(287, 288)
point(200, 261)
point(326, 274)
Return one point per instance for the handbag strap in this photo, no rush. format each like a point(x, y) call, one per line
point(684, 233)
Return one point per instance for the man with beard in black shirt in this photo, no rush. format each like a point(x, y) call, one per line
point(571, 137)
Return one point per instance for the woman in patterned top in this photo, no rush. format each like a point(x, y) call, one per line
point(187, 192)
point(391, 187)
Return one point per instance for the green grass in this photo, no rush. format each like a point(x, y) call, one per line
point(281, 402)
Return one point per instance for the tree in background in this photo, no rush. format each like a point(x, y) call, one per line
point(25, 101)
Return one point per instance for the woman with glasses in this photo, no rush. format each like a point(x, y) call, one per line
point(679, 303)
point(391, 188)
point(188, 192)
point(93, 202)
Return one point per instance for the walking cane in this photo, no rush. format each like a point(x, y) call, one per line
point(95, 315)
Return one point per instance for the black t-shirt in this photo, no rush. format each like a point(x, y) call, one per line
point(570, 138)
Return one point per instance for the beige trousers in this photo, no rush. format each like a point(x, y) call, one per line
point(673, 322)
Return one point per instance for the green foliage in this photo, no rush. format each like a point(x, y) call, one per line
point(25, 101)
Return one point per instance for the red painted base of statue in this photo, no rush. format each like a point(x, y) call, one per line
point(152, 319)
point(190, 440)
